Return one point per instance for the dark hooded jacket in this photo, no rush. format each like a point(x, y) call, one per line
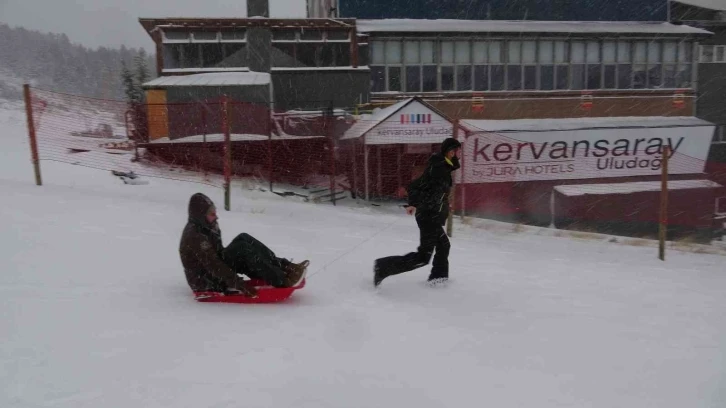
point(201, 250)
point(430, 192)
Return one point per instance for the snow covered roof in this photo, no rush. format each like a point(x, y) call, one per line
point(368, 121)
point(234, 137)
point(212, 79)
point(508, 26)
point(719, 5)
point(524, 125)
point(633, 187)
point(410, 121)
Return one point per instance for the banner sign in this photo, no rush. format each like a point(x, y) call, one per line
point(583, 153)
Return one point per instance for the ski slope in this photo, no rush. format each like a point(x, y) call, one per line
point(96, 311)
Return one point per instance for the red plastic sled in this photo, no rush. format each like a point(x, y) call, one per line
point(265, 294)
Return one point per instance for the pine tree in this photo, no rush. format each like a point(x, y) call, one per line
point(142, 74)
point(127, 78)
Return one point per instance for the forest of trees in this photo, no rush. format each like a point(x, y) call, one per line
point(50, 61)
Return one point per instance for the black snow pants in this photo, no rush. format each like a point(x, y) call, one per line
point(432, 238)
point(248, 256)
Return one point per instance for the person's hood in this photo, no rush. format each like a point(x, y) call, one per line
point(438, 159)
point(449, 144)
point(199, 205)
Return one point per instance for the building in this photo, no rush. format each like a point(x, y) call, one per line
point(709, 15)
point(299, 55)
point(600, 73)
point(534, 69)
point(552, 10)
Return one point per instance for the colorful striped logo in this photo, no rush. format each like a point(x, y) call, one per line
point(408, 118)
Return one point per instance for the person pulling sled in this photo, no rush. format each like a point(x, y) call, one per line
point(210, 267)
point(428, 199)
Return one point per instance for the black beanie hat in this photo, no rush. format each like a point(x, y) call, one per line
point(449, 144)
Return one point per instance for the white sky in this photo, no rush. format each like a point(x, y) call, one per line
point(97, 23)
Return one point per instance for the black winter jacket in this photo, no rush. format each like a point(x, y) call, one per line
point(201, 249)
point(430, 192)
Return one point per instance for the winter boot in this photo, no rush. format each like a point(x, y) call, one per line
point(378, 274)
point(296, 273)
point(437, 282)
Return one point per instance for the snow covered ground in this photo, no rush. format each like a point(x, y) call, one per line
point(96, 311)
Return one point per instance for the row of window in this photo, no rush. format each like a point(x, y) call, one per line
point(712, 53)
point(431, 66)
point(432, 78)
point(241, 36)
point(396, 52)
point(233, 55)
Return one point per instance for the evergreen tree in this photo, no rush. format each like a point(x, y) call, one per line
point(127, 79)
point(142, 74)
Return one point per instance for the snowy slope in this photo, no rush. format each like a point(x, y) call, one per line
point(96, 312)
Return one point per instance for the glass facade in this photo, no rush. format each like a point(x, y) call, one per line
point(423, 65)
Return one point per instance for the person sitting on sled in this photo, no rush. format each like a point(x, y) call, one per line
point(210, 267)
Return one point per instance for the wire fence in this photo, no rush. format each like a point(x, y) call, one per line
point(594, 174)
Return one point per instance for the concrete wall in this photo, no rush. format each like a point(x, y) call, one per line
point(315, 89)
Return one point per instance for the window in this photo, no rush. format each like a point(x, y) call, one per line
point(230, 36)
point(378, 79)
point(609, 58)
point(429, 80)
point(283, 55)
point(447, 78)
point(712, 53)
point(462, 58)
point(463, 78)
point(685, 55)
point(205, 36)
point(481, 77)
point(235, 55)
point(562, 67)
point(378, 56)
point(640, 58)
point(412, 60)
point(481, 68)
point(655, 67)
point(529, 59)
point(172, 54)
point(309, 54)
point(363, 55)
point(496, 70)
point(413, 78)
point(545, 55)
point(446, 58)
point(625, 70)
point(594, 69)
point(578, 65)
point(514, 67)
point(212, 55)
point(170, 36)
point(338, 35)
point(411, 53)
point(192, 56)
point(427, 52)
point(394, 79)
point(670, 51)
point(447, 52)
point(393, 52)
point(284, 35)
point(311, 35)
